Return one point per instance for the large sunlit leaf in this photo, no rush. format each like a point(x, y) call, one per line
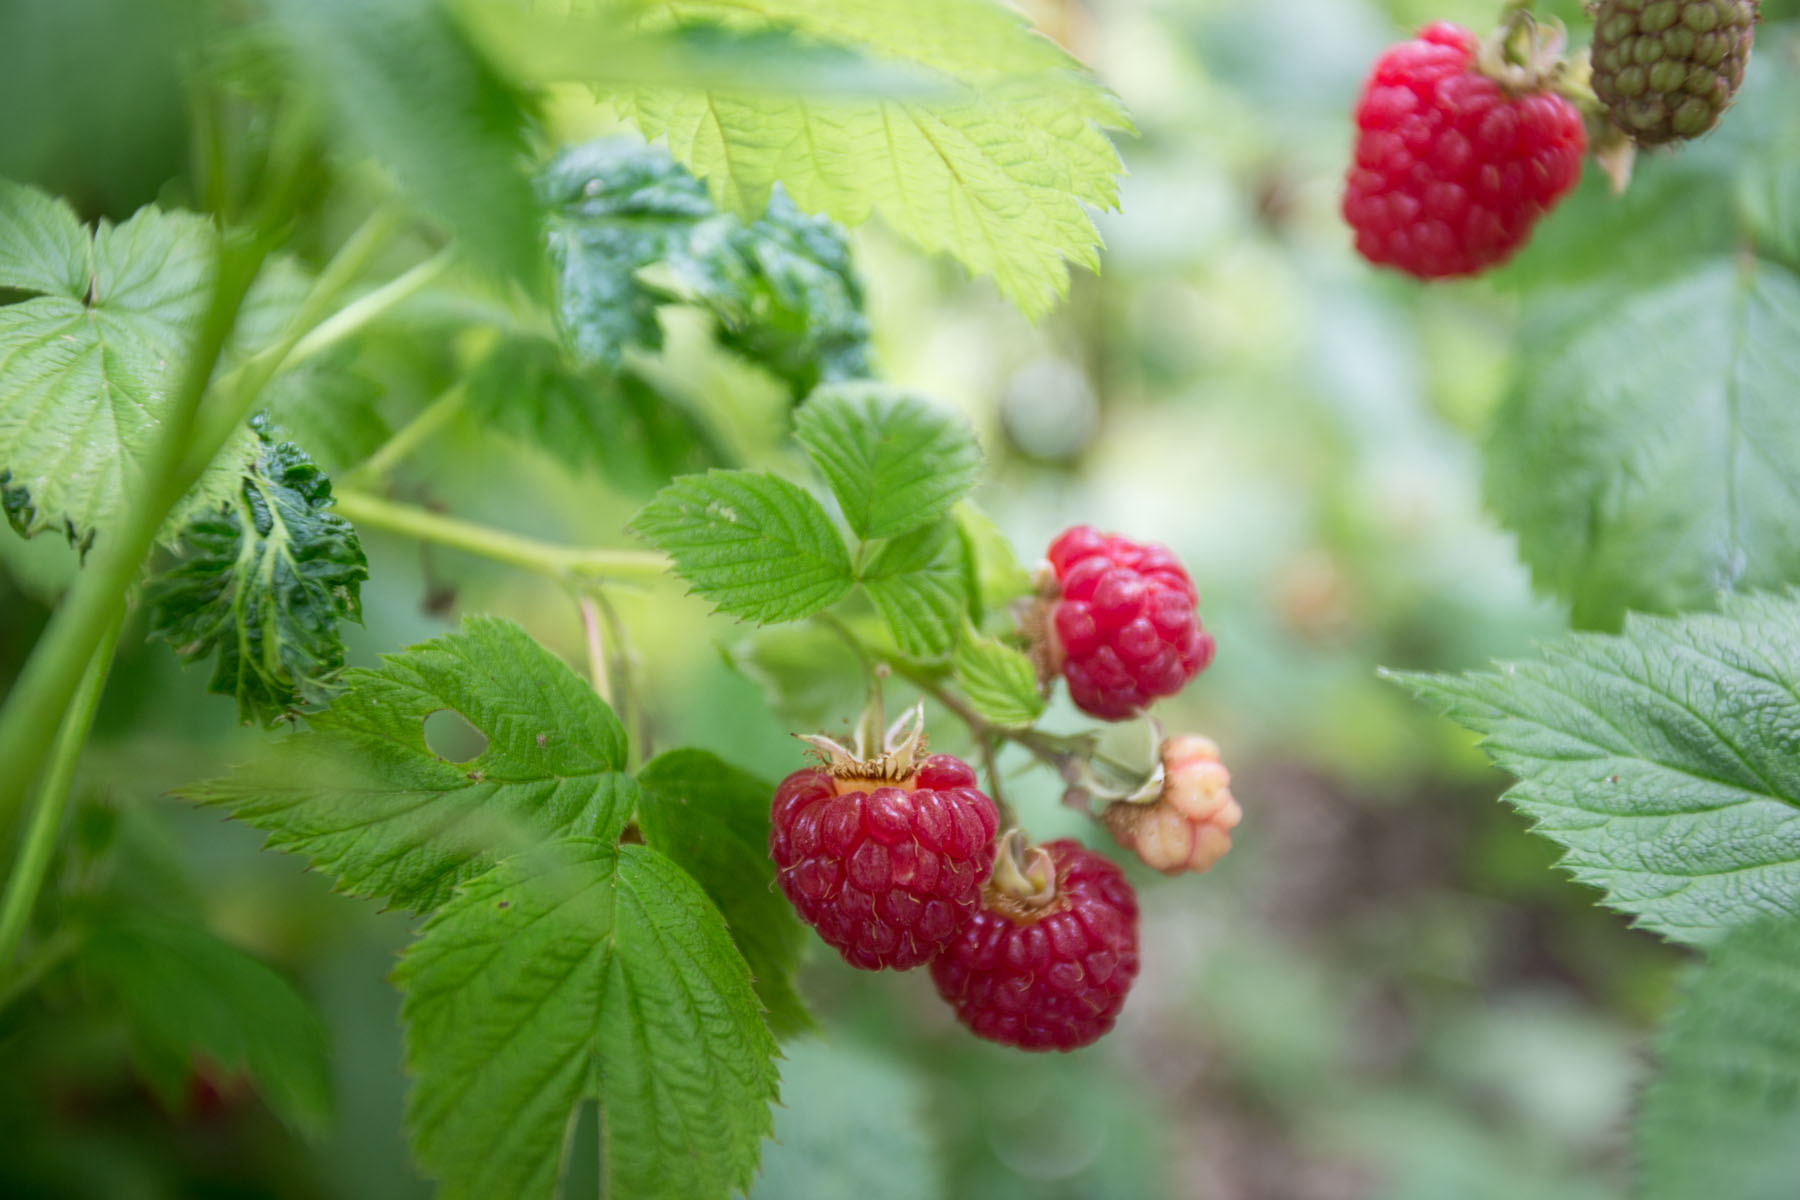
point(1722, 1116)
point(585, 969)
point(1664, 759)
point(90, 363)
point(1649, 455)
point(995, 166)
point(364, 797)
point(263, 582)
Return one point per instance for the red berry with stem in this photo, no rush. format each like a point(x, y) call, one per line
point(1453, 168)
point(885, 856)
point(1047, 962)
point(1123, 627)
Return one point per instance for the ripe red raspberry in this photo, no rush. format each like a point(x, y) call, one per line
point(885, 857)
point(1123, 628)
point(1047, 970)
point(1452, 170)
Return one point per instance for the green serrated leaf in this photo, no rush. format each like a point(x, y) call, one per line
point(998, 576)
point(1647, 471)
point(712, 821)
point(782, 287)
point(999, 681)
point(757, 546)
point(1663, 760)
point(405, 85)
point(851, 1124)
point(365, 799)
point(589, 417)
point(808, 675)
point(88, 364)
point(1722, 1118)
point(921, 589)
point(186, 994)
point(585, 969)
point(996, 171)
point(263, 583)
point(894, 461)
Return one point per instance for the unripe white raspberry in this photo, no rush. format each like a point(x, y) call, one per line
point(1187, 826)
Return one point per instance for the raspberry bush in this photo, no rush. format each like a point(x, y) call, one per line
point(658, 483)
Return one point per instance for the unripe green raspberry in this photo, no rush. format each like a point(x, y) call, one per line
point(1667, 69)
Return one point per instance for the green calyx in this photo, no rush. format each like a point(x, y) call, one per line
point(1667, 69)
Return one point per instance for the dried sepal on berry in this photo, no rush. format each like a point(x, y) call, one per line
point(883, 851)
point(1048, 960)
point(1183, 821)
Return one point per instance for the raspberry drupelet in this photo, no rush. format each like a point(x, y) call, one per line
point(1452, 170)
point(1048, 960)
point(1123, 628)
point(885, 857)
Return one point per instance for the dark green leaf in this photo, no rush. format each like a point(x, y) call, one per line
point(263, 583)
point(756, 545)
point(365, 799)
point(186, 994)
point(585, 969)
point(712, 820)
point(1722, 1118)
point(782, 287)
point(1650, 454)
point(405, 85)
point(1664, 760)
point(919, 584)
point(894, 461)
point(586, 416)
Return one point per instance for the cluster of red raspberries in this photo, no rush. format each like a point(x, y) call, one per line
point(896, 856)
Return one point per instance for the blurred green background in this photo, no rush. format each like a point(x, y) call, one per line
point(1386, 990)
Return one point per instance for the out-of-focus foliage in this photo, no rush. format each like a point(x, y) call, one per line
point(1723, 1116)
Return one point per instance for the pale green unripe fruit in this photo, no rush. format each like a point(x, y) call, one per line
point(1667, 69)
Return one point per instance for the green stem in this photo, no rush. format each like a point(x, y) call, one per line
point(367, 309)
point(42, 693)
point(562, 563)
point(238, 393)
point(596, 648)
point(52, 799)
point(409, 437)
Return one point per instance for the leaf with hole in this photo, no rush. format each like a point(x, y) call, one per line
point(364, 798)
